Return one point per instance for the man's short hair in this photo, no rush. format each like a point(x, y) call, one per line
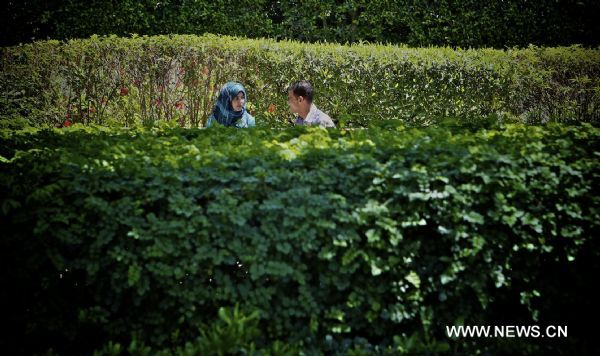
point(302, 88)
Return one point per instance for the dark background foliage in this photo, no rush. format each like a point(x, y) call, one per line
point(470, 23)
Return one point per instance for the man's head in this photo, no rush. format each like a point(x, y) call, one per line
point(300, 96)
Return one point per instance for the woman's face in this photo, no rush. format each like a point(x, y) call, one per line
point(238, 102)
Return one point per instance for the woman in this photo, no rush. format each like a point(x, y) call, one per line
point(230, 108)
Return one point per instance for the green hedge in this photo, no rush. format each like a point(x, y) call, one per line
point(466, 23)
point(339, 239)
point(125, 82)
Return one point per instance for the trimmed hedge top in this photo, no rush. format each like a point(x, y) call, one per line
point(132, 81)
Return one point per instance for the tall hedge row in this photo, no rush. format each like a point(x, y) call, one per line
point(471, 23)
point(130, 81)
point(339, 239)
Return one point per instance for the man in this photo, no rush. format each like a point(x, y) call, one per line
point(300, 97)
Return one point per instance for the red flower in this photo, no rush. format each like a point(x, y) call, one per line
point(67, 123)
point(124, 91)
point(272, 108)
point(179, 104)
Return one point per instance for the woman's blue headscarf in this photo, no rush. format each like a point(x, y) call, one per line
point(223, 112)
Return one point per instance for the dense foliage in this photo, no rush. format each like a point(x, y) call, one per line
point(470, 23)
point(131, 81)
point(329, 240)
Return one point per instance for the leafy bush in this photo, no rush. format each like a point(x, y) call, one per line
point(128, 82)
point(232, 334)
point(342, 240)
